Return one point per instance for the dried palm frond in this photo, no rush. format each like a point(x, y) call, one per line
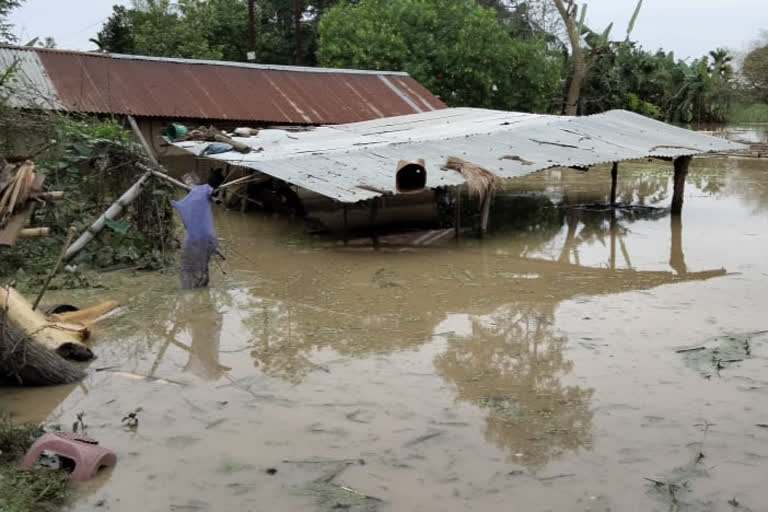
point(480, 181)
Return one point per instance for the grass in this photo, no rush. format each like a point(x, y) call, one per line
point(755, 113)
point(21, 490)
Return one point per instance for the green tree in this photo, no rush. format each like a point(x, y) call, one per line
point(215, 29)
point(755, 72)
point(116, 35)
point(457, 49)
point(6, 6)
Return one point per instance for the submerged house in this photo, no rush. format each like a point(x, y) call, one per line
point(364, 165)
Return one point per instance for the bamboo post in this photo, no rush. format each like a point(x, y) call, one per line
point(142, 140)
point(486, 211)
point(372, 221)
point(614, 182)
point(457, 220)
point(681, 172)
point(70, 235)
point(112, 212)
point(346, 225)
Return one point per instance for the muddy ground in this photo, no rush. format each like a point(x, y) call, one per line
point(544, 368)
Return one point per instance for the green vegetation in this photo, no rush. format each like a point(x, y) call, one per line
point(6, 6)
point(214, 29)
point(92, 161)
point(457, 49)
point(26, 491)
point(755, 113)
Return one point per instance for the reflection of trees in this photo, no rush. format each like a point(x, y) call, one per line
point(740, 177)
point(512, 368)
point(607, 226)
point(279, 339)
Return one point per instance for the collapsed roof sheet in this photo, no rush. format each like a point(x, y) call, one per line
point(349, 163)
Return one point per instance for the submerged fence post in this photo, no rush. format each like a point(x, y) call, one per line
point(486, 211)
point(457, 219)
point(346, 225)
point(681, 172)
point(614, 181)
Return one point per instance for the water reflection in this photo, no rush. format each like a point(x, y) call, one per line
point(511, 365)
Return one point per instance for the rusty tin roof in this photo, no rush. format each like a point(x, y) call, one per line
point(200, 89)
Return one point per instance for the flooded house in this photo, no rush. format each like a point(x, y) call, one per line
point(156, 92)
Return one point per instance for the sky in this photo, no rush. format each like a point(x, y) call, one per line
point(690, 28)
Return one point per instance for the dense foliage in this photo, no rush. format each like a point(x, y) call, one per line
point(6, 6)
point(214, 29)
point(456, 48)
point(92, 161)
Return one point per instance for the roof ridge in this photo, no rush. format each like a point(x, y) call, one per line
point(206, 62)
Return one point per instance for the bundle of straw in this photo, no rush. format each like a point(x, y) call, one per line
point(480, 181)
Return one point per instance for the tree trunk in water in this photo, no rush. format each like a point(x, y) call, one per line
point(25, 362)
point(579, 65)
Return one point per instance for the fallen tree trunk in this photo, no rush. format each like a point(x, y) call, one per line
point(65, 340)
point(25, 362)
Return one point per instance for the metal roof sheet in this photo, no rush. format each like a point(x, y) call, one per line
point(217, 90)
point(336, 161)
point(30, 86)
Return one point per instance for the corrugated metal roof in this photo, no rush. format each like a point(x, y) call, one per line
point(337, 161)
point(30, 86)
point(217, 90)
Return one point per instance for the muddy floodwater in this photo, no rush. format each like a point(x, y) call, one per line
point(575, 360)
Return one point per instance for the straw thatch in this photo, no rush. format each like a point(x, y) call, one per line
point(480, 181)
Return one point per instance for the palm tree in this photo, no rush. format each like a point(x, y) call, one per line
point(721, 64)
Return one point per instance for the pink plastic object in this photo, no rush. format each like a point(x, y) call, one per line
point(87, 455)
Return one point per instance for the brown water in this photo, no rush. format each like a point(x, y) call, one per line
point(536, 370)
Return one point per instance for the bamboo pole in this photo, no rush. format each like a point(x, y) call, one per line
point(112, 212)
point(70, 235)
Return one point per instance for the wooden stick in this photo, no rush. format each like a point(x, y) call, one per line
point(55, 268)
point(245, 179)
point(140, 136)
point(163, 176)
point(48, 196)
point(34, 232)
